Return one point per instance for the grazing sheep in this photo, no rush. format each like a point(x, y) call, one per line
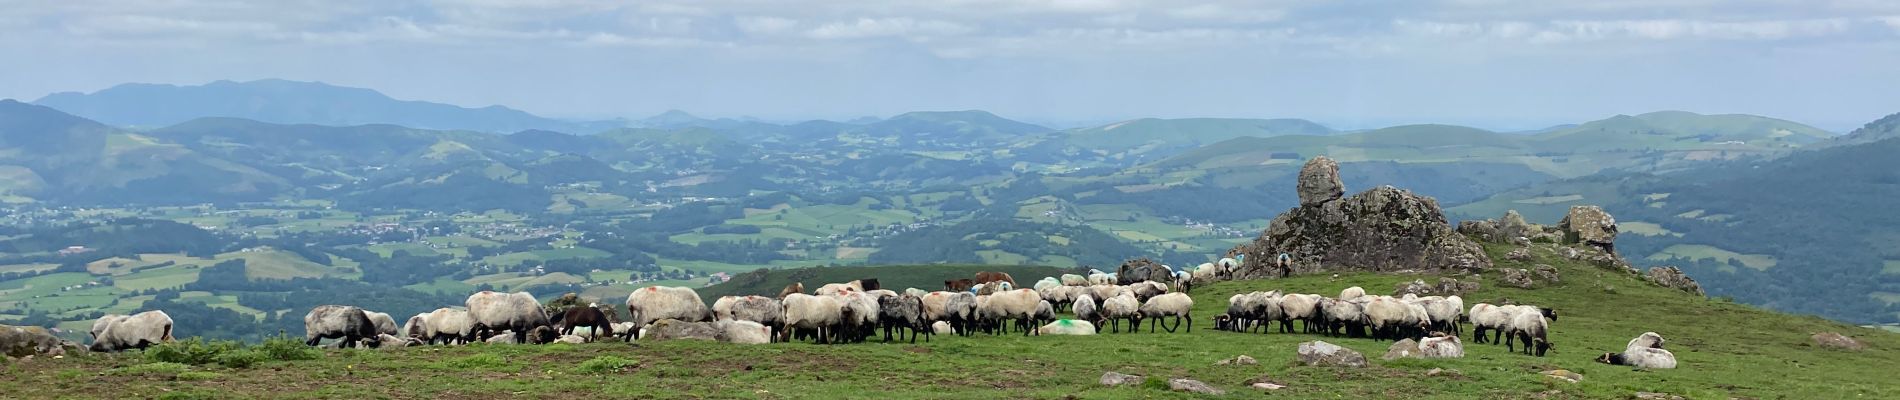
point(1641, 357)
point(1074, 280)
point(1224, 269)
point(515, 312)
point(1120, 307)
point(1044, 312)
point(989, 288)
point(1019, 305)
point(1352, 293)
point(859, 316)
point(105, 321)
point(1441, 347)
point(654, 303)
point(902, 312)
point(1145, 290)
point(136, 331)
point(451, 326)
point(960, 311)
point(795, 287)
point(1487, 317)
point(1067, 327)
point(590, 317)
point(1531, 328)
point(763, 310)
point(1102, 293)
point(385, 325)
point(1443, 312)
point(1176, 305)
point(1392, 319)
point(813, 316)
point(346, 322)
point(417, 326)
point(1341, 314)
point(1085, 309)
point(915, 292)
point(1301, 307)
point(1045, 283)
point(1246, 311)
point(743, 332)
point(877, 293)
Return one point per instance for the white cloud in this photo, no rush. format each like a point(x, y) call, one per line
point(766, 25)
point(887, 27)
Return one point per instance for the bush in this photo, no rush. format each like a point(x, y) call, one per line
point(193, 351)
point(285, 348)
point(240, 358)
point(605, 364)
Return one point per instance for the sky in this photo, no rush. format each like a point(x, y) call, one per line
point(1502, 64)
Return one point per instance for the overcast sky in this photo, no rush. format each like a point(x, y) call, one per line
point(1495, 63)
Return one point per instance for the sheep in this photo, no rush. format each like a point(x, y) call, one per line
point(1145, 290)
point(654, 303)
point(915, 292)
point(763, 310)
point(1122, 306)
point(1099, 278)
point(385, 325)
point(1496, 318)
point(1441, 347)
point(1204, 272)
point(1530, 327)
point(1224, 269)
point(942, 328)
point(1391, 318)
point(1246, 309)
point(1302, 307)
point(902, 312)
point(1183, 281)
point(811, 315)
point(743, 332)
point(100, 325)
point(1046, 283)
point(1044, 312)
point(1646, 340)
point(1443, 312)
point(451, 326)
point(993, 287)
point(136, 331)
point(866, 284)
point(515, 312)
point(625, 329)
point(795, 287)
point(722, 308)
point(878, 293)
point(571, 339)
point(333, 321)
point(960, 311)
point(1074, 280)
point(389, 341)
point(1176, 305)
point(1102, 293)
point(1641, 357)
point(1019, 305)
point(417, 326)
point(1341, 314)
point(1085, 309)
point(1062, 296)
point(590, 317)
point(833, 289)
point(1067, 327)
point(1352, 293)
point(859, 317)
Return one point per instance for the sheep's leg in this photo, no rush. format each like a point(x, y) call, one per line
point(1190, 322)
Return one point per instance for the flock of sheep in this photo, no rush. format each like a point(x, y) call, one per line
point(991, 303)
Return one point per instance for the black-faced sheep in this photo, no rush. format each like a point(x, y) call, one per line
point(1085, 310)
point(100, 325)
point(654, 303)
point(1176, 305)
point(903, 312)
point(137, 331)
point(1641, 357)
point(811, 316)
point(1531, 328)
point(1393, 319)
point(1018, 305)
point(859, 316)
point(346, 322)
point(1252, 310)
point(1145, 290)
point(1120, 307)
point(449, 326)
point(1300, 307)
point(416, 327)
point(1343, 318)
point(495, 312)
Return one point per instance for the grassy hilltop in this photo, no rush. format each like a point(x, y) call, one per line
point(1725, 349)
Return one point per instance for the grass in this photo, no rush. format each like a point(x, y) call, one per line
point(894, 277)
point(1646, 229)
point(1890, 267)
point(1726, 350)
point(1696, 252)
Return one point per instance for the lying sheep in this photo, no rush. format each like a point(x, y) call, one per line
point(1120, 307)
point(571, 339)
point(450, 326)
point(1441, 347)
point(346, 322)
point(1351, 293)
point(1067, 327)
point(1646, 340)
point(942, 328)
point(654, 303)
point(136, 331)
point(743, 332)
point(1531, 328)
point(1176, 305)
point(520, 313)
point(1641, 357)
point(385, 325)
point(811, 316)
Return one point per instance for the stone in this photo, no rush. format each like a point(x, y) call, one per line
point(1383, 229)
point(1193, 386)
point(1112, 378)
point(1564, 375)
point(1415, 287)
point(672, 329)
point(1673, 278)
point(1319, 182)
point(1519, 254)
point(1655, 396)
point(1448, 286)
point(1267, 386)
point(1546, 272)
point(1837, 341)
point(1406, 348)
point(1589, 225)
point(1322, 354)
point(1238, 360)
point(1444, 372)
point(1141, 270)
point(1517, 278)
point(1513, 226)
point(27, 341)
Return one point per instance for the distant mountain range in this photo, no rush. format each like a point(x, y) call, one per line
point(145, 105)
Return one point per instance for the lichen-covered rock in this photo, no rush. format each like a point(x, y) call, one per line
point(1238, 360)
point(1519, 254)
point(1546, 272)
point(1517, 278)
point(1322, 354)
point(1193, 386)
point(1837, 341)
point(22, 341)
point(672, 329)
point(1401, 349)
point(1141, 270)
point(1415, 287)
point(1383, 229)
point(1448, 286)
point(1112, 378)
point(1319, 181)
point(1589, 225)
point(1672, 277)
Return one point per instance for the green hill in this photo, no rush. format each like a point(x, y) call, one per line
point(1185, 132)
point(768, 282)
point(1725, 350)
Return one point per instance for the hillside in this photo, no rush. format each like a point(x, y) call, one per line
point(1726, 350)
point(1152, 134)
point(48, 154)
point(288, 102)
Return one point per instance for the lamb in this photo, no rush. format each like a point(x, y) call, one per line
point(1019, 305)
point(1352, 293)
point(795, 287)
point(1302, 307)
point(1176, 305)
point(1441, 347)
point(1074, 280)
point(137, 331)
point(1085, 309)
point(1341, 314)
point(654, 303)
point(743, 332)
point(417, 326)
point(385, 325)
point(1641, 357)
point(451, 326)
point(811, 315)
point(1530, 327)
point(902, 312)
point(1145, 290)
point(1122, 306)
point(333, 321)
point(1067, 327)
point(515, 312)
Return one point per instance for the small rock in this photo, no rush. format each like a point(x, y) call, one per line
point(1520, 254)
point(1193, 386)
point(1401, 349)
point(1546, 272)
point(1517, 278)
point(1239, 360)
point(1318, 353)
point(1589, 225)
point(1838, 341)
point(1112, 378)
point(1267, 386)
point(1673, 278)
point(1656, 396)
point(1444, 372)
point(1416, 287)
point(1564, 375)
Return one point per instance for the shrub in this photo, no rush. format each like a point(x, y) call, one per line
point(240, 358)
point(286, 348)
point(605, 364)
point(193, 351)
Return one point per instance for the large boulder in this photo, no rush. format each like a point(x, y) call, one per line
point(1321, 354)
point(1319, 181)
point(1401, 349)
point(1517, 278)
point(1837, 341)
point(22, 341)
point(671, 329)
point(1383, 229)
point(1589, 225)
point(1673, 278)
point(1142, 270)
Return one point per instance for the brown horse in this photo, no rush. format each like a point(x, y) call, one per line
point(987, 277)
point(958, 285)
point(795, 287)
point(579, 316)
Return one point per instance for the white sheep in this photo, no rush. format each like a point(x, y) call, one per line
point(1122, 306)
point(1176, 305)
point(515, 312)
point(137, 331)
point(99, 326)
point(1098, 278)
point(1301, 307)
point(1247, 311)
point(832, 289)
point(1104, 292)
point(915, 292)
point(1647, 339)
point(571, 339)
point(760, 309)
point(450, 326)
point(1342, 314)
point(1074, 280)
point(1641, 357)
point(1046, 283)
point(333, 321)
point(1441, 347)
point(722, 308)
point(1224, 269)
point(1444, 312)
point(942, 328)
point(880, 293)
point(385, 325)
point(1487, 317)
point(1067, 327)
point(1085, 309)
point(1205, 272)
point(859, 318)
point(1145, 290)
point(416, 327)
point(811, 315)
point(743, 332)
point(1391, 319)
point(1351, 293)
point(654, 303)
point(1530, 327)
point(1019, 305)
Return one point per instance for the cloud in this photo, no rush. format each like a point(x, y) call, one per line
point(887, 27)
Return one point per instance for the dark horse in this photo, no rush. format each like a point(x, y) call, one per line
point(583, 316)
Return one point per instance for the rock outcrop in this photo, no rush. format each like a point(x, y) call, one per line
point(1589, 225)
point(1382, 230)
point(22, 341)
point(1837, 341)
point(1673, 278)
point(1401, 349)
point(1141, 270)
